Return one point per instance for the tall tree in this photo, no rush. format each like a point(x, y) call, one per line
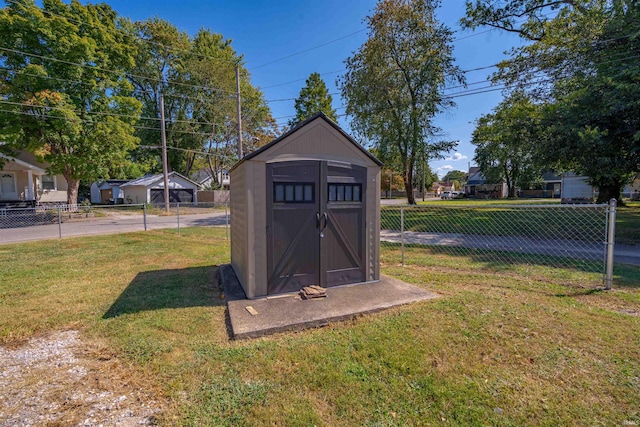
point(394, 83)
point(314, 98)
point(64, 89)
point(196, 76)
point(506, 141)
point(582, 60)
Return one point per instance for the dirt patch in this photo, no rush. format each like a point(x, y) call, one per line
point(60, 379)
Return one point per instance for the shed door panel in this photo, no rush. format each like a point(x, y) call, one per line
point(343, 244)
point(316, 223)
point(292, 221)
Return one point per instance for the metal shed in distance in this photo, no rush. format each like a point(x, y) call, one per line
point(305, 210)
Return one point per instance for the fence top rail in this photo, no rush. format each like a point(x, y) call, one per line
point(513, 206)
point(42, 208)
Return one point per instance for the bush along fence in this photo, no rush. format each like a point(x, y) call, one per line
point(45, 222)
point(572, 237)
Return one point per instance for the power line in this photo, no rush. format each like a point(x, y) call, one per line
point(309, 49)
point(104, 113)
point(129, 75)
point(303, 79)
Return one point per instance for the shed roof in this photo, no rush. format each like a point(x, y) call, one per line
point(108, 183)
point(149, 180)
point(318, 116)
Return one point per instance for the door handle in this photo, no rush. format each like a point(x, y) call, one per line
point(326, 219)
point(317, 219)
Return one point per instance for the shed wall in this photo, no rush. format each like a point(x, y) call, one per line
point(249, 193)
point(258, 233)
point(316, 141)
point(238, 205)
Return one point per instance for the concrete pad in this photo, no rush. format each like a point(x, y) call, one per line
point(264, 316)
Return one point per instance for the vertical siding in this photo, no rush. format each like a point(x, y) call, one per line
point(259, 227)
point(238, 205)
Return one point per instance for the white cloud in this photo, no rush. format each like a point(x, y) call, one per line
point(457, 157)
point(442, 170)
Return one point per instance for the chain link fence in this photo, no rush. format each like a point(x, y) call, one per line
point(47, 222)
point(574, 237)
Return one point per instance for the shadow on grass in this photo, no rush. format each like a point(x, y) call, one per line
point(581, 292)
point(154, 290)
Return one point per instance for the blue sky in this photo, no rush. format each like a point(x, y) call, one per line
point(271, 34)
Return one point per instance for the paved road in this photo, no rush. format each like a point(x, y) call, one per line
point(626, 254)
point(112, 224)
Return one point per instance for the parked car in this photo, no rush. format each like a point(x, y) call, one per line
point(446, 195)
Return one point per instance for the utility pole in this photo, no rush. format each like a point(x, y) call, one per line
point(163, 135)
point(239, 113)
point(424, 175)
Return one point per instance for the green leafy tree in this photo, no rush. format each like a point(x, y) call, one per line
point(582, 61)
point(506, 140)
point(314, 98)
point(455, 175)
point(394, 83)
point(64, 92)
point(196, 76)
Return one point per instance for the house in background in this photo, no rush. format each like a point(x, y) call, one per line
point(108, 191)
point(25, 181)
point(150, 189)
point(440, 187)
point(477, 186)
point(205, 179)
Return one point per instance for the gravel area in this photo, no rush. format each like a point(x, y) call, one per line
point(59, 379)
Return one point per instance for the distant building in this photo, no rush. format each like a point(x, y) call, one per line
point(205, 179)
point(479, 187)
point(25, 180)
point(108, 191)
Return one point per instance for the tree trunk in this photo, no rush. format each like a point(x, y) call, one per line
point(408, 186)
point(72, 191)
point(608, 192)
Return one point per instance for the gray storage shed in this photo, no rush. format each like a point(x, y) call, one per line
point(305, 210)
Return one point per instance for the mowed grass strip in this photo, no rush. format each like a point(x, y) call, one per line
point(530, 217)
point(505, 345)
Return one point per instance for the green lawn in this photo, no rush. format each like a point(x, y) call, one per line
point(493, 217)
point(513, 344)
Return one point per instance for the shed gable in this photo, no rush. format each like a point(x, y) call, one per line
point(317, 140)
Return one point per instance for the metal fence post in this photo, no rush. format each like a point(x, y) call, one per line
point(178, 212)
point(611, 238)
point(60, 221)
point(402, 231)
point(226, 219)
point(144, 216)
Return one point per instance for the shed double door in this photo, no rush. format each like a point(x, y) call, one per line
point(315, 224)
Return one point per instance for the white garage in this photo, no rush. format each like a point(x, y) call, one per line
point(150, 189)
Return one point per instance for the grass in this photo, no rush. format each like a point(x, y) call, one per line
point(628, 223)
point(510, 345)
point(479, 216)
